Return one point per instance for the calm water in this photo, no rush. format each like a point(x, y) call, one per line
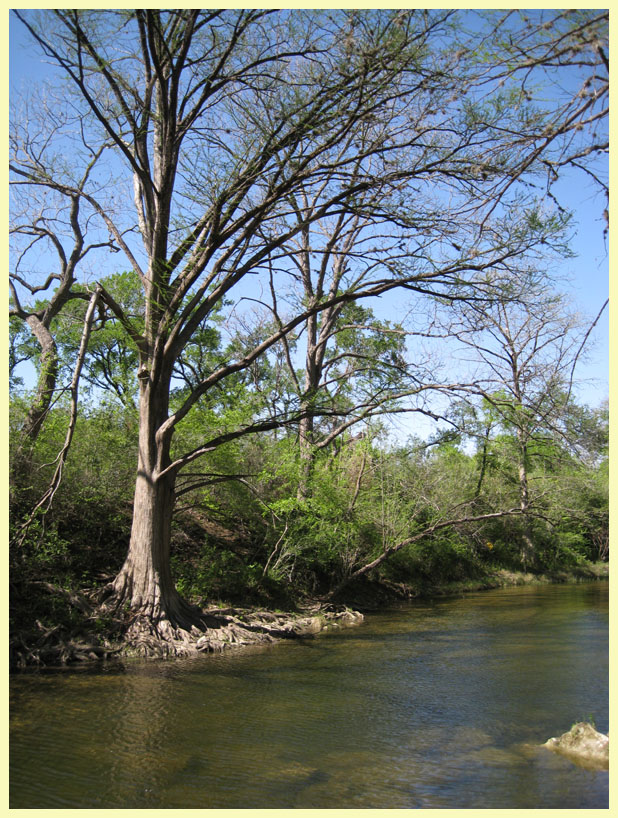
point(441, 704)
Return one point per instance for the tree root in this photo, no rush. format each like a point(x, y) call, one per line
point(74, 639)
point(225, 629)
point(140, 635)
point(49, 647)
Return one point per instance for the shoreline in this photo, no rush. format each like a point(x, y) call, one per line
point(236, 626)
point(378, 595)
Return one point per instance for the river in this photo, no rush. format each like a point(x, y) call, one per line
point(438, 704)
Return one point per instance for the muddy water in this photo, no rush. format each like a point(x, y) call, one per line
point(440, 704)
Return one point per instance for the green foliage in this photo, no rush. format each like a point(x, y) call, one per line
point(446, 558)
point(85, 533)
point(363, 497)
point(43, 553)
point(588, 719)
point(111, 362)
point(216, 573)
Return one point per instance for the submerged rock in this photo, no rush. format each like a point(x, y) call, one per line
point(584, 745)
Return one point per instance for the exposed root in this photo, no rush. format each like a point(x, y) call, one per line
point(147, 638)
point(49, 646)
point(139, 634)
point(222, 629)
point(163, 639)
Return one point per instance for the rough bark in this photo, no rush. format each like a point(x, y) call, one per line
point(145, 580)
point(144, 583)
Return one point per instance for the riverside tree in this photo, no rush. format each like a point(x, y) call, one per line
point(355, 365)
point(215, 119)
point(526, 346)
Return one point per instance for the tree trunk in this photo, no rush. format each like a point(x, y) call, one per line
point(145, 580)
point(483, 465)
point(313, 372)
point(527, 551)
point(144, 585)
point(48, 373)
point(307, 456)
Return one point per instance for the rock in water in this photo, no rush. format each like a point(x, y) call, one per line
point(583, 744)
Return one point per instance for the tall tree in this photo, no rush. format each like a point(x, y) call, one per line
point(218, 118)
point(354, 364)
point(527, 346)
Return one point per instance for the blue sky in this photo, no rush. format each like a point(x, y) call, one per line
point(588, 270)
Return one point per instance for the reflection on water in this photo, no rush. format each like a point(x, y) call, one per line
point(441, 704)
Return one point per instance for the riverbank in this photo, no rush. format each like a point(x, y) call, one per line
point(371, 596)
point(86, 633)
point(83, 632)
